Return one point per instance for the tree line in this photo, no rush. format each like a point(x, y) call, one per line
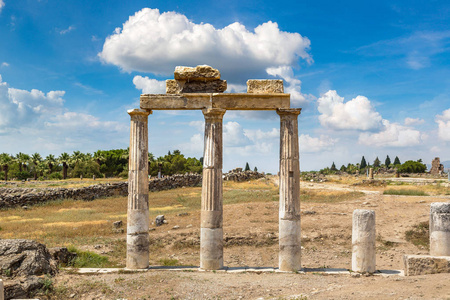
point(103, 163)
point(409, 166)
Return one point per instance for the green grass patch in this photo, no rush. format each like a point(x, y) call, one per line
point(327, 197)
point(419, 234)
point(88, 259)
point(169, 262)
point(406, 192)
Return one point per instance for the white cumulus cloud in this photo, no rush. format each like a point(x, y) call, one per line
point(309, 144)
point(356, 114)
point(443, 122)
point(2, 4)
point(413, 121)
point(293, 87)
point(393, 135)
point(35, 121)
point(149, 86)
point(156, 42)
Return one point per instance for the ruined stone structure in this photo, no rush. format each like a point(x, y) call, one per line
point(436, 167)
point(201, 88)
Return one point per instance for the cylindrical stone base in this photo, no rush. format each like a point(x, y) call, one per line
point(211, 248)
point(440, 229)
point(363, 241)
point(2, 290)
point(290, 248)
point(138, 251)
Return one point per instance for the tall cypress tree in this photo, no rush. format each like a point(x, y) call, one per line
point(376, 163)
point(247, 167)
point(387, 162)
point(363, 163)
point(333, 167)
point(397, 161)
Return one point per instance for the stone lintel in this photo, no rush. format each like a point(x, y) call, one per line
point(228, 101)
point(426, 264)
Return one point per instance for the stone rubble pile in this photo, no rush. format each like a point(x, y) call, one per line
point(13, 197)
point(23, 262)
point(238, 175)
point(201, 79)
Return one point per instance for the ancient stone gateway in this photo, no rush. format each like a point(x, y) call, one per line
point(201, 88)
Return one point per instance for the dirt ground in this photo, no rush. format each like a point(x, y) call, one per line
point(250, 233)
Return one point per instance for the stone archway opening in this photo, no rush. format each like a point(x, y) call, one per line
point(201, 88)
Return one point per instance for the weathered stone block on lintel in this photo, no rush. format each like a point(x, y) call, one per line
point(228, 101)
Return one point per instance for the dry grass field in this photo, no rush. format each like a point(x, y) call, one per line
point(251, 239)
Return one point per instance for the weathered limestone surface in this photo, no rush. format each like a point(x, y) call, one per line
point(2, 290)
point(363, 241)
point(183, 86)
point(440, 229)
point(370, 173)
point(426, 264)
point(289, 210)
point(198, 73)
point(265, 86)
point(228, 101)
point(138, 214)
point(211, 232)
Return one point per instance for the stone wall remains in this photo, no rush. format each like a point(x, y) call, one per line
point(13, 197)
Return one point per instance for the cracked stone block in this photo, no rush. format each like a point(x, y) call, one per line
point(265, 86)
point(426, 264)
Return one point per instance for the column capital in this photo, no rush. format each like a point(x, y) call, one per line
point(139, 112)
point(214, 113)
point(288, 111)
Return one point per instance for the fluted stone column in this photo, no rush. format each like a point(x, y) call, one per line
point(289, 212)
point(363, 241)
point(440, 229)
point(211, 232)
point(138, 213)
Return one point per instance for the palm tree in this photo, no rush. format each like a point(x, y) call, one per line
point(64, 158)
point(22, 159)
point(77, 157)
point(51, 161)
point(5, 160)
point(99, 157)
point(36, 158)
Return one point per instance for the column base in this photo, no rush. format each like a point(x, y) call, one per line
point(211, 248)
point(290, 247)
point(138, 251)
point(440, 243)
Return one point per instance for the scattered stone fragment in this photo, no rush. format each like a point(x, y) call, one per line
point(183, 214)
point(198, 73)
point(265, 86)
point(159, 220)
point(189, 226)
point(176, 227)
point(25, 258)
point(117, 224)
point(62, 255)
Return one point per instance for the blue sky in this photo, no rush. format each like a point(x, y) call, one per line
point(372, 79)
